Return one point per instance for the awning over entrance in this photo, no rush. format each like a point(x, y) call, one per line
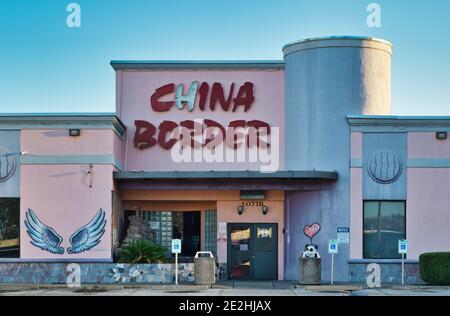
point(224, 180)
point(207, 175)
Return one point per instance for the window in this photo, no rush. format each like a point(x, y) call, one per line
point(384, 224)
point(9, 228)
point(210, 231)
point(161, 224)
point(167, 225)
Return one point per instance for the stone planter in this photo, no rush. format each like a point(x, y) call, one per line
point(95, 273)
point(310, 271)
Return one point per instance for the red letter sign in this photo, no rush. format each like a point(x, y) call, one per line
point(143, 138)
point(159, 106)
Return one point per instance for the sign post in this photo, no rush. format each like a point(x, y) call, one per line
point(332, 249)
point(403, 250)
point(343, 235)
point(176, 249)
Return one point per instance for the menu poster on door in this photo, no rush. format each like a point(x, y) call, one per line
point(222, 231)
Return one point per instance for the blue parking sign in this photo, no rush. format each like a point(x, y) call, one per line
point(402, 246)
point(332, 246)
point(176, 245)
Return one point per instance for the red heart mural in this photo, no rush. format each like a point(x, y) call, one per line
point(311, 230)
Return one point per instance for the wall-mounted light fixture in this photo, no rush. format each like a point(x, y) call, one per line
point(74, 132)
point(265, 209)
point(240, 209)
point(441, 135)
point(88, 172)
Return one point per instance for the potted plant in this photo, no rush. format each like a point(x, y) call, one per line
point(142, 251)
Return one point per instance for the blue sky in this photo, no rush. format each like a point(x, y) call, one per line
point(48, 67)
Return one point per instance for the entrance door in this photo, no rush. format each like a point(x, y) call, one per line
point(253, 251)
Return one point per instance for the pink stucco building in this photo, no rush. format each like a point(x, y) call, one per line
point(235, 158)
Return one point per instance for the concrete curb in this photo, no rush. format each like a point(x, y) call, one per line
point(419, 287)
point(333, 288)
point(102, 287)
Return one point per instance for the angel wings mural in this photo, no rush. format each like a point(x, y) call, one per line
point(43, 236)
point(88, 236)
point(47, 239)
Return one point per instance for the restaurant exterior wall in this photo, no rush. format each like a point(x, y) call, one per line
point(65, 183)
point(331, 100)
point(326, 80)
point(428, 210)
point(423, 185)
point(425, 192)
point(428, 198)
point(226, 213)
point(57, 187)
point(61, 198)
point(224, 202)
point(139, 85)
point(10, 165)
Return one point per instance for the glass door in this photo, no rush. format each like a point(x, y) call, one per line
point(253, 251)
point(240, 251)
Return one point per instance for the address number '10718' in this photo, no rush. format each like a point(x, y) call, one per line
point(252, 203)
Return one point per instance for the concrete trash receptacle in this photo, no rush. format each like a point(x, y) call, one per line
point(310, 271)
point(204, 268)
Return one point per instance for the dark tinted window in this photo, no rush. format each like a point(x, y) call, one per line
point(384, 225)
point(9, 228)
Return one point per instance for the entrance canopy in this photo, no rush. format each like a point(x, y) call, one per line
point(224, 180)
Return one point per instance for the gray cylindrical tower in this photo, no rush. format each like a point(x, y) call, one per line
point(327, 79)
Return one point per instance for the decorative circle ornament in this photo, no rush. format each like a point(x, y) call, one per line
point(385, 167)
point(8, 164)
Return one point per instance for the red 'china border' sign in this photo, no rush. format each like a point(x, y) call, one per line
point(148, 135)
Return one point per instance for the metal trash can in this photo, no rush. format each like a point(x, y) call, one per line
point(310, 271)
point(204, 268)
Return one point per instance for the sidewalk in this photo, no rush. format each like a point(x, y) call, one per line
point(228, 288)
